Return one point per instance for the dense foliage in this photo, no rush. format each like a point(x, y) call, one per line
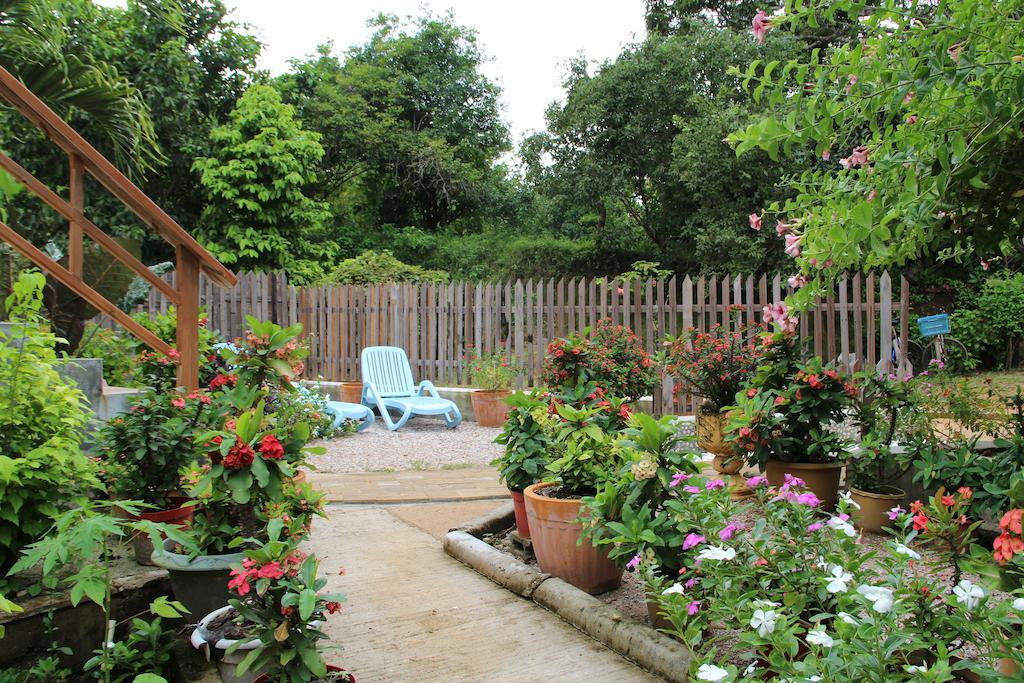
point(610, 356)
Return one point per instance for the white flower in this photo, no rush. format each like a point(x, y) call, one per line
point(717, 552)
point(967, 594)
point(762, 603)
point(879, 597)
point(750, 669)
point(819, 637)
point(914, 669)
point(763, 621)
point(710, 672)
point(838, 580)
point(815, 678)
point(1018, 604)
point(904, 550)
point(842, 525)
point(674, 589)
point(821, 563)
point(848, 618)
point(845, 497)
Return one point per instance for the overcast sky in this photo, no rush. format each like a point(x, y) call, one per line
point(528, 42)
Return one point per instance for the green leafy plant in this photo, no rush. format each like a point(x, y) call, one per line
point(117, 351)
point(877, 412)
point(378, 268)
point(146, 649)
point(526, 440)
point(280, 605)
point(493, 371)
point(42, 422)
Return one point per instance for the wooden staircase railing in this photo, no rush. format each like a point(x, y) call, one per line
point(191, 258)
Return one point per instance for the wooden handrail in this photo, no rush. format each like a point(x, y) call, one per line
point(83, 158)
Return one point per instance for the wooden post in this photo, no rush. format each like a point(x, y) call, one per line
point(187, 283)
point(76, 187)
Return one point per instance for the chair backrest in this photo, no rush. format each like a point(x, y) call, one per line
point(388, 368)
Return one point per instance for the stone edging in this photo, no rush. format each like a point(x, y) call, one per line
point(647, 647)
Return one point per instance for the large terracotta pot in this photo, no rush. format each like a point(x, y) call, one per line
point(490, 407)
point(873, 508)
point(554, 531)
point(821, 478)
point(352, 392)
point(519, 505)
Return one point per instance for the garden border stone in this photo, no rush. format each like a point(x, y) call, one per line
point(647, 647)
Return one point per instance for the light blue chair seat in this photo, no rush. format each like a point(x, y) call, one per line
point(350, 411)
point(388, 385)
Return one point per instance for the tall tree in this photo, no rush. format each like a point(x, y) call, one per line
point(258, 215)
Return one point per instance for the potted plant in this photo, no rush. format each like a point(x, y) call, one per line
point(878, 462)
point(271, 624)
point(610, 356)
point(526, 450)
point(715, 365)
point(582, 455)
point(492, 374)
point(143, 451)
point(785, 419)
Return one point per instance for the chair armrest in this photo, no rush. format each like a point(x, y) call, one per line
point(370, 390)
point(428, 387)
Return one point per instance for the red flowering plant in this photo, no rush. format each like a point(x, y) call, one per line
point(715, 364)
point(787, 410)
point(142, 451)
point(610, 356)
point(159, 371)
point(280, 607)
point(492, 371)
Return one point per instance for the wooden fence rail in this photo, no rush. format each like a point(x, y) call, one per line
point(436, 324)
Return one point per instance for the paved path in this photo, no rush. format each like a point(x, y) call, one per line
point(411, 486)
point(414, 614)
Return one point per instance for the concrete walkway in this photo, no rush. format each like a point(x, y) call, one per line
point(411, 486)
point(414, 614)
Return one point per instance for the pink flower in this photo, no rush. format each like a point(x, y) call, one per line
point(851, 81)
point(798, 281)
point(714, 484)
point(808, 499)
point(691, 583)
point(859, 157)
point(757, 480)
point(755, 221)
point(908, 97)
point(985, 264)
point(678, 478)
point(761, 25)
point(826, 155)
point(691, 489)
point(814, 527)
point(634, 563)
point(271, 570)
point(872, 195)
point(792, 245)
point(953, 50)
point(693, 607)
point(178, 403)
point(776, 312)
point(692, 540)
point(912, 119)
point(729, 530)
point(789, 481)
point(782, 228)
point(894, 513)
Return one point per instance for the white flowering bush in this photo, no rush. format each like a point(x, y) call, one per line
point(775, 588)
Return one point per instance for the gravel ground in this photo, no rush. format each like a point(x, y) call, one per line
point(422, 444)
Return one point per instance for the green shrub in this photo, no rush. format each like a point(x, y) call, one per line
point(116, 350)
point(1001, 304)
point(375, 268)
point(42, 420)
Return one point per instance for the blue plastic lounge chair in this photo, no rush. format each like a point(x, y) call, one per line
point(343, 411)
point(388, 384)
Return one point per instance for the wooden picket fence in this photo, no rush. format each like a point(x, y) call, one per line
point(438, 324)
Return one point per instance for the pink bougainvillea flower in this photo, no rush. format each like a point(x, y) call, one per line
point(761, 25)
point(894, 513)
point(792, 245)
point(692, 540)
point(634, 563)
point(714, 484)
point(755, 221)
point(678, 478)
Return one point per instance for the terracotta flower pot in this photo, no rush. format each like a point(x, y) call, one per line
point(873, 507)
point(519, 505)
point(554, 531)
point(490, 407)
point(352, 392)
point(142, 544)
point(821, 478)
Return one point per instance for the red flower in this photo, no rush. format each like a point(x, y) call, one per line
point(915, 507)
point(222, 380)
point(920, 522)
point(271, 570)
point(1006, 546)
point(178, 402)
point(333, 607)
point(1011, 521)
point(239, 581)
point(948, 501)
point(965, 492)
point(271, 448)
point(240, 455)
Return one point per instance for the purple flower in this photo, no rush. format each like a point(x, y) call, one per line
point(692, 540)
point(714, 484)
point(814, 527)
point(693, 607)
point(895, 513)
point(691, 583)
point(691, 489)
point(845, 517)
point(678, 478)
point(808, 499)
point(634, 563)
point(730, 529)
point(757, 480)
point(790, 480)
